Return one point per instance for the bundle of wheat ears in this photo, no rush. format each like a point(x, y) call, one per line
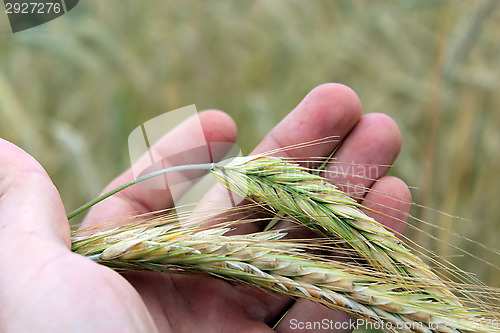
point(354, 264)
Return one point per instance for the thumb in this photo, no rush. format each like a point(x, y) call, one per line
point(30, 205)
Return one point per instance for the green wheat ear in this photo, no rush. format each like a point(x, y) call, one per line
point(312, 200)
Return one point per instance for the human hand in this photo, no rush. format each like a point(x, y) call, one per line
point(52, 289)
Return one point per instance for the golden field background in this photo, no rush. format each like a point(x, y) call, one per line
point(72, 90)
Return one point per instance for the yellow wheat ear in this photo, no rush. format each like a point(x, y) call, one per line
point(267, 260)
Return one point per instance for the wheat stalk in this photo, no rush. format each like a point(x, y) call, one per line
point(265, 260)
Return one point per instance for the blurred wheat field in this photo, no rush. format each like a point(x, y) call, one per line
point(72, 90)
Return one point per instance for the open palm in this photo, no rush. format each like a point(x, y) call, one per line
point(45, 287)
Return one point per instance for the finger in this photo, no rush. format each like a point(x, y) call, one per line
point(389, 202)
point(40, 278)
point(30, 205)
point(328, 110)
point(307, 316)
point(365, 155)
point(217, 127)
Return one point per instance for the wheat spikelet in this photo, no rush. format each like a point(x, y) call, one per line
point(312, 200)
point(265, 260)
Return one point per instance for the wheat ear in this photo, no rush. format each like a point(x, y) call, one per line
point(312, 200)
point(264, 260)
